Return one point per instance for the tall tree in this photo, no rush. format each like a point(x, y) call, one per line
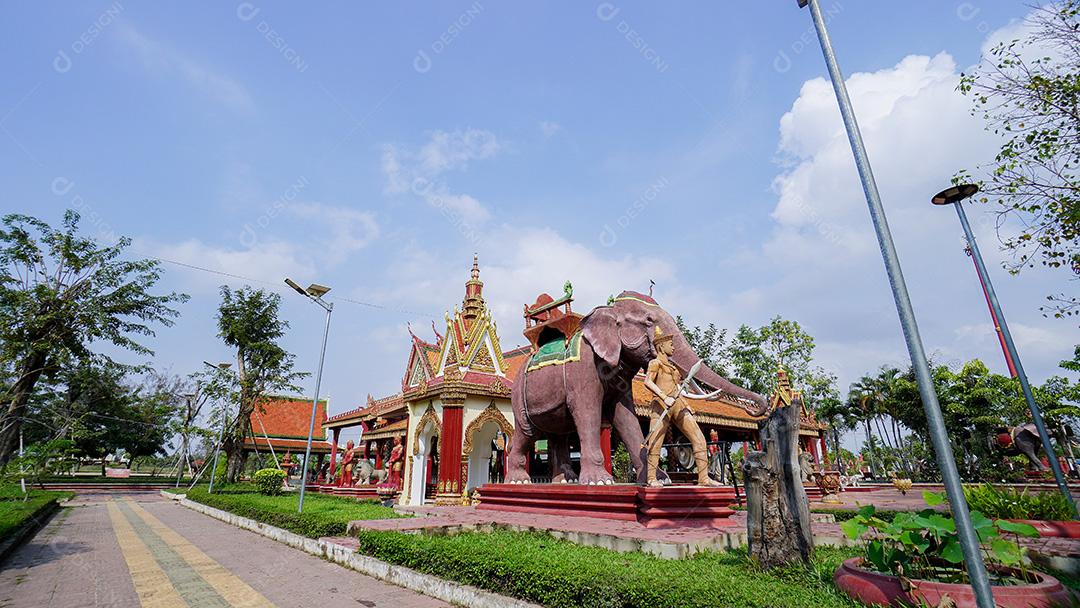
point(756, 354)
point(102, 413)
point(710, 344)
point(248, 322)
point(1028, 92)
point(59, 293)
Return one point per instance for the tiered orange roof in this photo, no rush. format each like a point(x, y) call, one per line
point(284, 421)
point(375, 408)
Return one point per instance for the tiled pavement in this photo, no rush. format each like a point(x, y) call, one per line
point(142, 550)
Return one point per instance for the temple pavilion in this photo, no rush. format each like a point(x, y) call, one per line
point(453, 411)
point(279, 428)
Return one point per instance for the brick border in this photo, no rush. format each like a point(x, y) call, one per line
point(438, 588)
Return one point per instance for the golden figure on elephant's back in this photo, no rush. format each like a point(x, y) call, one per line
point(665, 380)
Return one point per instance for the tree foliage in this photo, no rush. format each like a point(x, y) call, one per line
point(248, 322)
point(1028, 92)
point(61, 292)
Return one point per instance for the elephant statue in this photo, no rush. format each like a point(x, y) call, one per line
point(1022, 439)
point(593, 384)
point(365, 474)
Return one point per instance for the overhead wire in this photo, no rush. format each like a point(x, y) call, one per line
point(279, 287)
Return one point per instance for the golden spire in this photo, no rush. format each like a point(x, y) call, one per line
point(473, 304)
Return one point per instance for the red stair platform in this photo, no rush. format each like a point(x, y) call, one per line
point(674, 505)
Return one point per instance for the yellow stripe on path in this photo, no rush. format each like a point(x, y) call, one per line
point(235, 591)
point(152, 585)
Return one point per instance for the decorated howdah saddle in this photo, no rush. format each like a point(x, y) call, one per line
point(556, 351)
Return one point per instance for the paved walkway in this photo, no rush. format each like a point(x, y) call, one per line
point(141, 550)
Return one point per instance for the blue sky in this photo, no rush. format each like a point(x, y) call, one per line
point(375, 148)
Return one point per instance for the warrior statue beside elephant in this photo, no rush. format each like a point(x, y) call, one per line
point(574, 383)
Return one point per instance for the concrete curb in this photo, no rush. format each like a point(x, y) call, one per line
point(33, 523)
point(447, 591)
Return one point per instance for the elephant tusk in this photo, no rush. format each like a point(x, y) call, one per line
point(711, 395)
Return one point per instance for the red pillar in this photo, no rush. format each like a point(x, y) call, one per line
point(605, 446)
point(333, 453)
point(378, 456)
point(450, 449)
point(824, 452)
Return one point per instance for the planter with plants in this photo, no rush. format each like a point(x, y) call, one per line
point(1047, 511)
point(916, 559)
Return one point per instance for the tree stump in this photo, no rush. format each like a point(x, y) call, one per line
point(777, 510)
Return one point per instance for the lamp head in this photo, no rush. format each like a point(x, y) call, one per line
point(954, 194)
point(296, 288)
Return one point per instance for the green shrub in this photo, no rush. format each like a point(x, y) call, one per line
point(1010, 503)
point(269, 481)
point(621, 468)
point(535, 567)
point(322, 516)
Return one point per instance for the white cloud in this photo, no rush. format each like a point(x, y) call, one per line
point(549, 128)
point(516, 265)
point(348, 229)
point(160, 59)
point(447, 151)
point(822, 252)
point(268, 262)
point(321, 237)
point(1030, 340)
point(422, 171)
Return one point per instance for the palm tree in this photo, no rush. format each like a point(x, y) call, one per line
point(871, 394)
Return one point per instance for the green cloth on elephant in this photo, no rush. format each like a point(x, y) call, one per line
point(556, 352)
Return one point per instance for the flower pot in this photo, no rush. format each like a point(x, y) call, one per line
point(874, 588)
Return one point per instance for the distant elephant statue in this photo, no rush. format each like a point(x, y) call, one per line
point(1023, 439)
point(593, 384)
point(365, 474)
point(362, 472)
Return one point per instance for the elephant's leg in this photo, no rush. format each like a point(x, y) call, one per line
point(584, 401)
point(562, 471)
point(517, 461)
point(1029, 445)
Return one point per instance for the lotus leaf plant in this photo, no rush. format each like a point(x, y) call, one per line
point(924, 545)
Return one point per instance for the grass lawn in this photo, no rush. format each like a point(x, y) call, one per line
point(14, 511)
point(323, 515)
point(555, 573)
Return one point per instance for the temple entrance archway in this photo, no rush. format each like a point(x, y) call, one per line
point(480, 460)
point(423, 447)
point(478, 449)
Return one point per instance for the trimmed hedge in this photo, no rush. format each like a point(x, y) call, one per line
point(845, 514)
point(14, 511)
point(322, 516)
point(538, 568)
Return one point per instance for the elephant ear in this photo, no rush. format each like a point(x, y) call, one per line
point(601, 329)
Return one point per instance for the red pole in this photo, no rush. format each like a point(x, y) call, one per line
point(605, 446)
point(993, 317)
point(333, 453)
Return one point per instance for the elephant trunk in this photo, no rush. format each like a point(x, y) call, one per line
point(685, 358)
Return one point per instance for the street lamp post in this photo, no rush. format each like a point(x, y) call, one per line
point(969, 541)
point(955, 196)
point(314, 292)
